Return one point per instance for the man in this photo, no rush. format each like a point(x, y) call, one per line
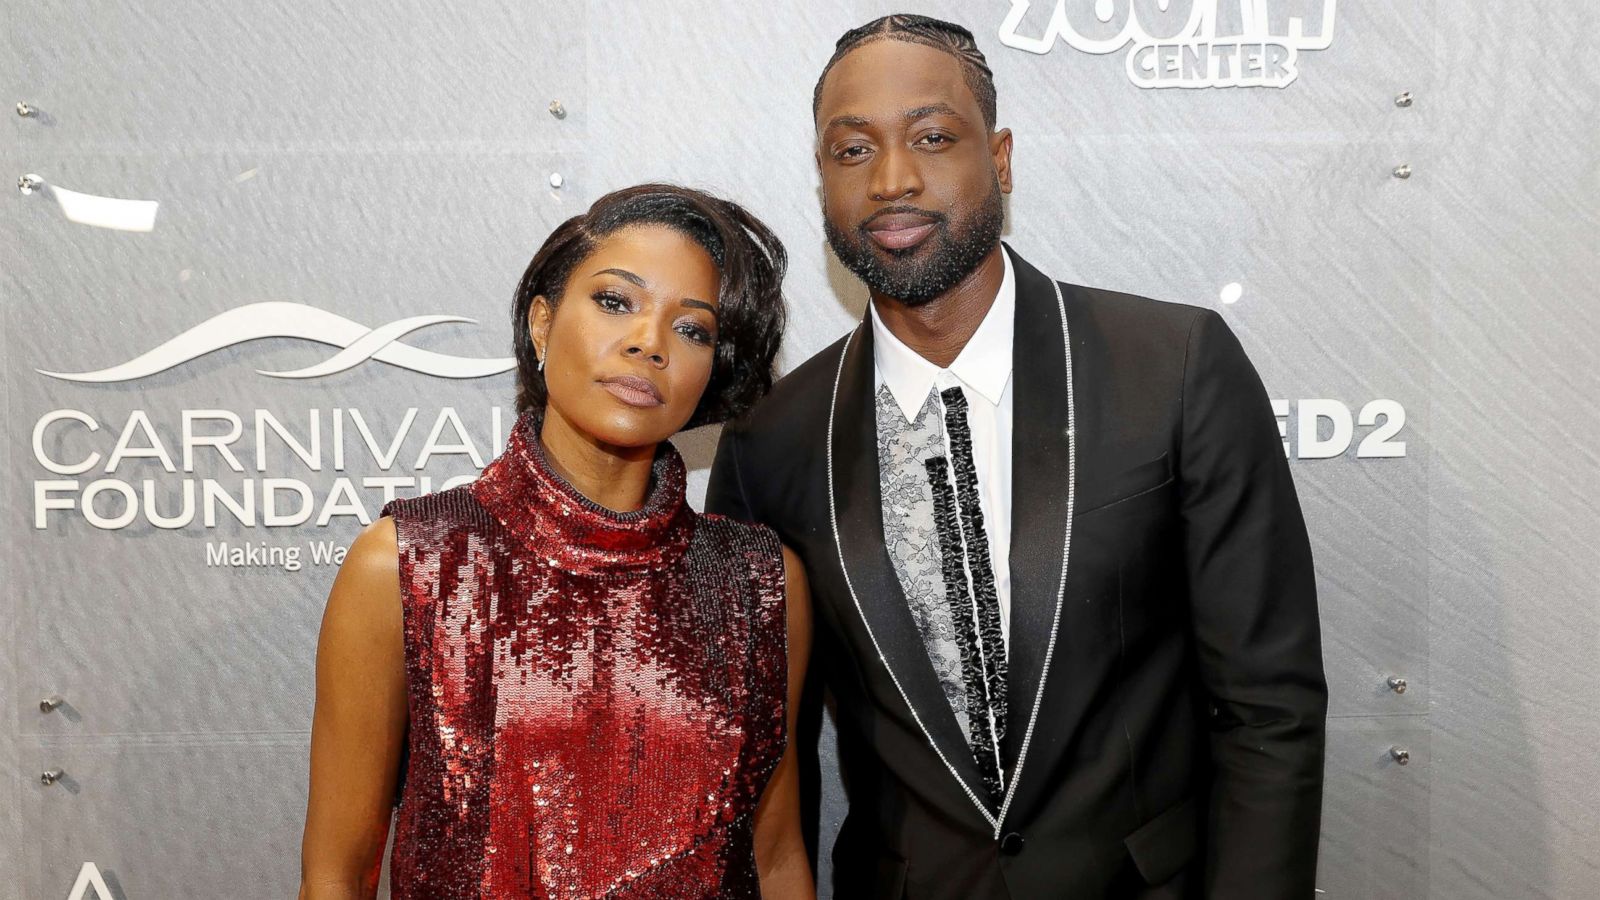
point(1064, 591)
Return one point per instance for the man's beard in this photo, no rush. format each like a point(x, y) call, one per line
point(918, 274)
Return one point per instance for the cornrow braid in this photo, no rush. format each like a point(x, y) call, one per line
point(930, 32)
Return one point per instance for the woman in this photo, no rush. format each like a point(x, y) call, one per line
point(592, 684)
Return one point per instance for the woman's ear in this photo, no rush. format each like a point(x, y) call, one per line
point(539, 317)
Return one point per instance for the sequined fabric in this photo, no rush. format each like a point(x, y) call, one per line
point(994, 669)
point(596, 698)
point(958, 595)
point(934, 531)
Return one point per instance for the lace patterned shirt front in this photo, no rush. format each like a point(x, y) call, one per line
point(596, 699)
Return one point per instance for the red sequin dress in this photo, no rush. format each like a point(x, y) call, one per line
point(596, 698)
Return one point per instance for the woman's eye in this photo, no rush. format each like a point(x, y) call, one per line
point(695, 333)
point(611, 302)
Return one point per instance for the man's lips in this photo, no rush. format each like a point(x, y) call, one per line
point(633, 390)
point(898, 231)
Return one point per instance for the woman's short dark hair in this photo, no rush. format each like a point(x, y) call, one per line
point(750, 260)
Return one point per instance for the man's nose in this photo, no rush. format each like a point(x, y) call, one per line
point(895, 176)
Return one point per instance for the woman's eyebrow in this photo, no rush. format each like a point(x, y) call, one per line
point(635, 279)
point(625, 275)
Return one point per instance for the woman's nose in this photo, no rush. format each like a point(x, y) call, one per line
point(641, 352)
point(646, 343)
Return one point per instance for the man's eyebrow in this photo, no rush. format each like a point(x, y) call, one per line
point(910, 115)
point(625, 275)
point(931, 109)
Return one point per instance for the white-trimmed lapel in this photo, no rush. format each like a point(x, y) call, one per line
point(1041, 530)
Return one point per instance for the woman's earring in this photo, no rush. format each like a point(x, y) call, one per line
point(541, 364)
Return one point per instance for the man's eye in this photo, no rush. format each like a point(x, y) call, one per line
point(851, 153)
point(936, 139)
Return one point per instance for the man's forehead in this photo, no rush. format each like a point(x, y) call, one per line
point(887, 77)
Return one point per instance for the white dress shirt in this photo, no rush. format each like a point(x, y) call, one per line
point(983, 372)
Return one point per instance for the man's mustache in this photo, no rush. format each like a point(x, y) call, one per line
point(930, 215)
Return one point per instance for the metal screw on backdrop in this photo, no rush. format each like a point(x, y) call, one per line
point(50, 776)
point(556, 180)
point(23, 109)
point(29, 183)
point(557, 110)
point(1397, 684)
point(49, 703)
point(1400, 756)
point(1402, 171)
point(1404, 100)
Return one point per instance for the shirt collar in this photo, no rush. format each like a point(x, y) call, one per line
point(984, 364)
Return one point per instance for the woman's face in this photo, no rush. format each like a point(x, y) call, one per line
point(628, 349)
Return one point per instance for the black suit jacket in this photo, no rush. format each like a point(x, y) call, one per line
point(1167, 705)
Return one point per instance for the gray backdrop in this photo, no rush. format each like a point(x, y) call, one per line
point(382, 161)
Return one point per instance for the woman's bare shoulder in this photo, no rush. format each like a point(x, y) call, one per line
point(375, 552)
point(365, 598)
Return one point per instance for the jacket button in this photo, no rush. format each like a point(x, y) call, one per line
point(1011, 844)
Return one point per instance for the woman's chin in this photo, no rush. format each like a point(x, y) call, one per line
point(621, 425)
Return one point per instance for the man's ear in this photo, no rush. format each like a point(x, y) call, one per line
point(1000, 150)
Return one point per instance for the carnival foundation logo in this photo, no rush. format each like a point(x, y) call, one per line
point(1181, 43)
point(90, 885)
point(357, 344)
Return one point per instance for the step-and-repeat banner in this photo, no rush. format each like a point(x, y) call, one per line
point(258, 276)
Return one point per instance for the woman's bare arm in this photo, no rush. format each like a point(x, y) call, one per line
point(359, 722)
point(780, 847)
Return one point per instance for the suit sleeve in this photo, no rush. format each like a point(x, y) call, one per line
point(1253, 604)
point(725, 493)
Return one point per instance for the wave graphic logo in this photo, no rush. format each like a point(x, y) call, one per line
point(1181, 43)
point(357, 344)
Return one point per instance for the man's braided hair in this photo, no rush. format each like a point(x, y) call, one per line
point(930, 32)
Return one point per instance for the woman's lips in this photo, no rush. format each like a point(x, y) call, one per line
point(632, 390)
point(899, 231)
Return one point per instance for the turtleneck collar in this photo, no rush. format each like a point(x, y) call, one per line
point(573, 533)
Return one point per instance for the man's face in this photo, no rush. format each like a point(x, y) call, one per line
point(911, 176)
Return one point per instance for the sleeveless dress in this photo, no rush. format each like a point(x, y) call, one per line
point(596, 699)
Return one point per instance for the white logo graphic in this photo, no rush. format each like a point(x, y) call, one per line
point(89, 877)
point(358, 344)
point(1181, 43)
point(101, 212)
